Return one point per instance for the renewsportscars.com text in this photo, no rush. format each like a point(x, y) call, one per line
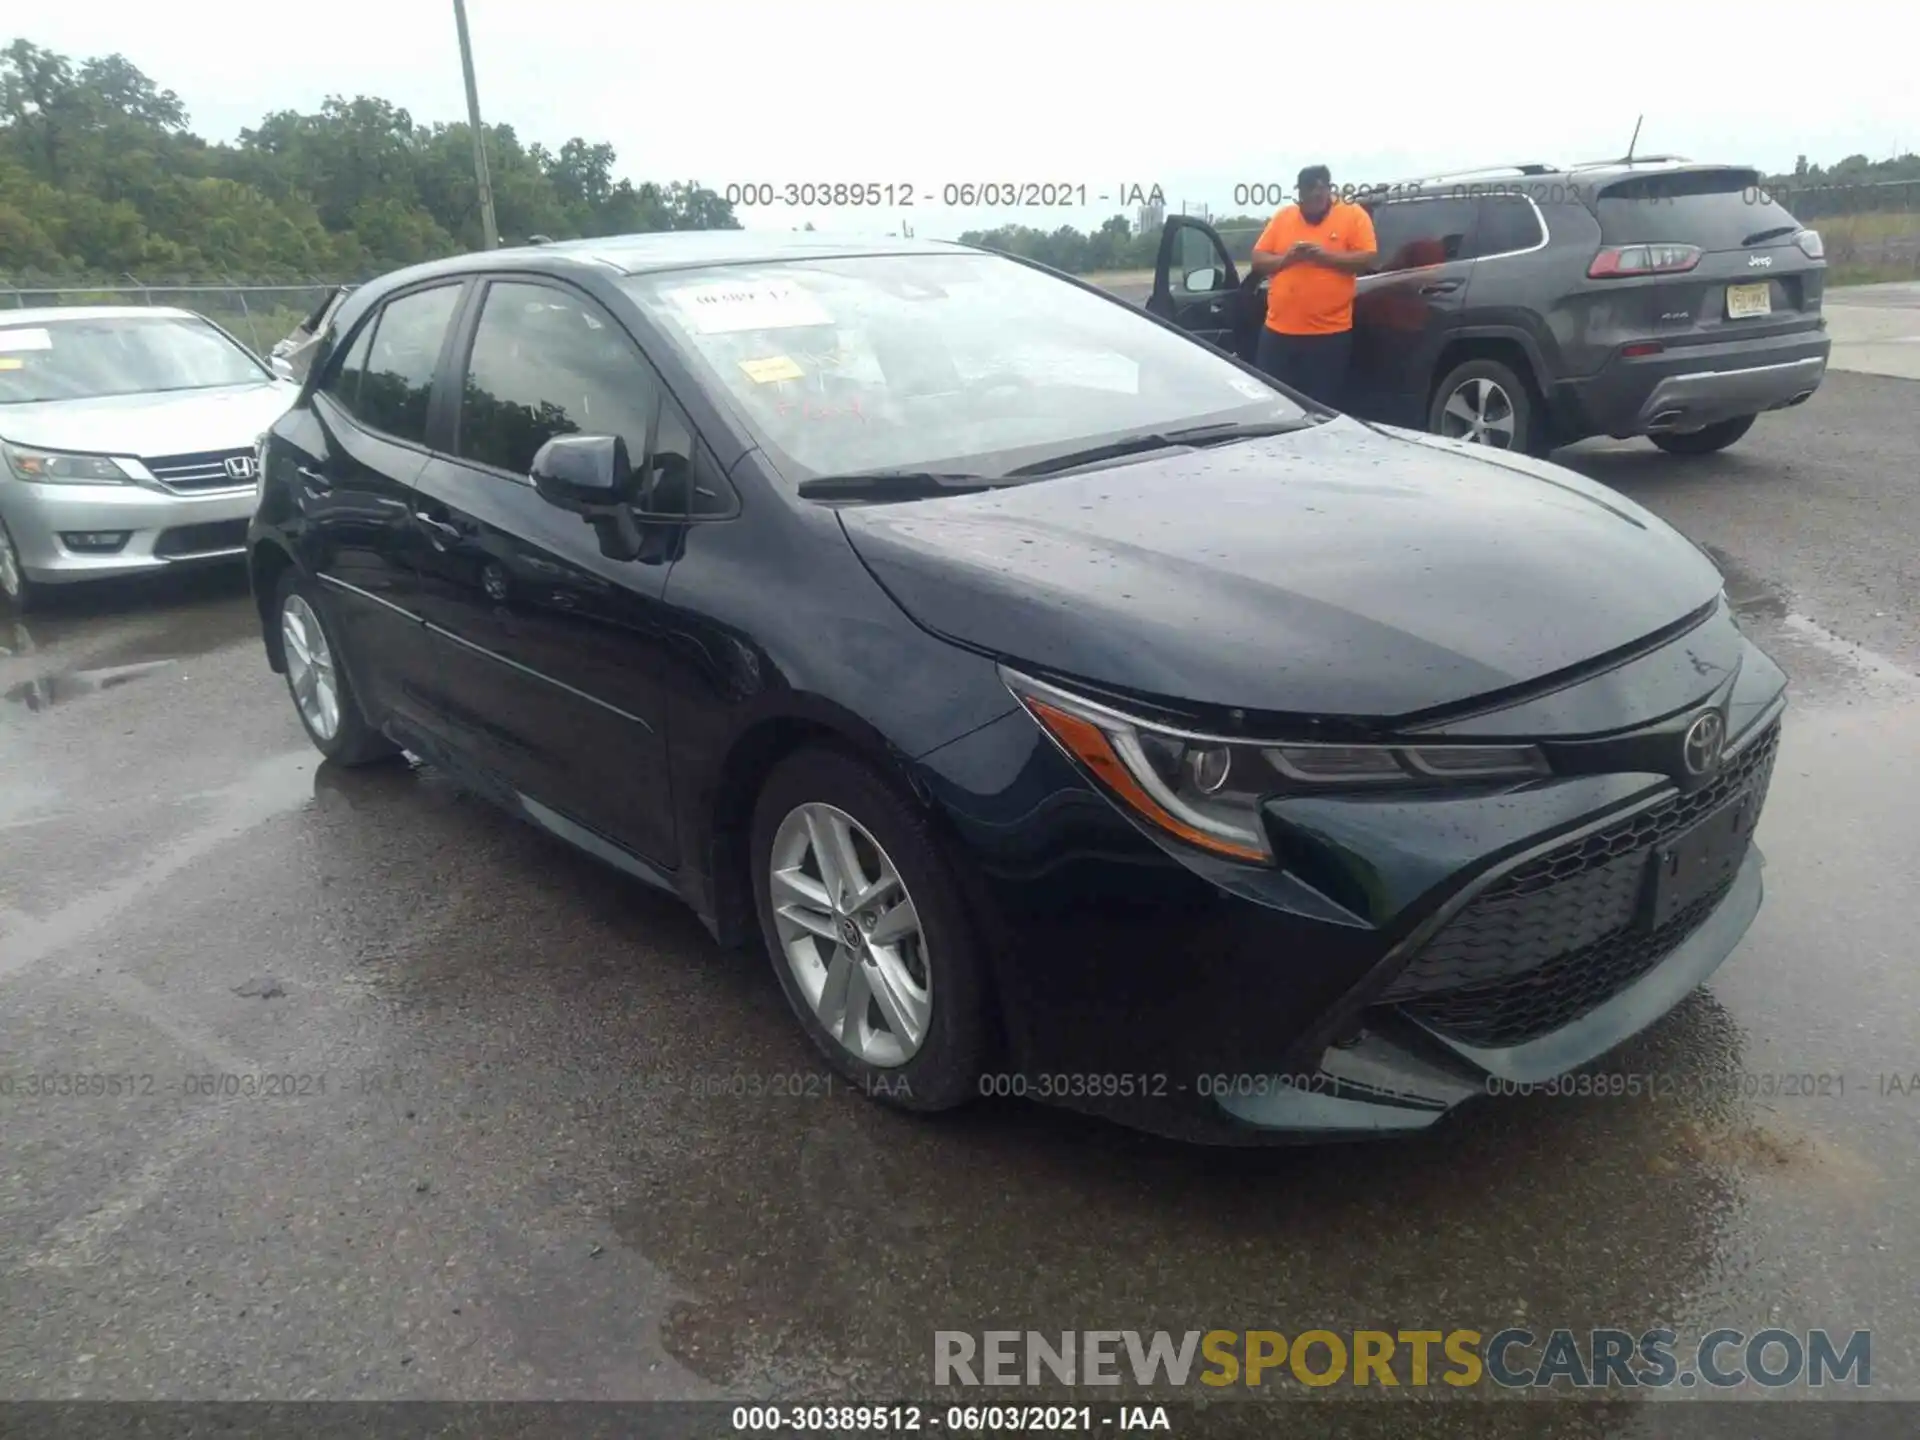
point(1510, 1359)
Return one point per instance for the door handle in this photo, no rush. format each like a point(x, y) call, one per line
point(1440, 287)
point(313, 478)
point(439, 532)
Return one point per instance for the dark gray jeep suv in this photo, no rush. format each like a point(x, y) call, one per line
point(1530, 306)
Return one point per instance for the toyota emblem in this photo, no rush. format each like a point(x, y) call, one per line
point(1700, 751)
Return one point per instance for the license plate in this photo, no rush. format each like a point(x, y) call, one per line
point(1746, 301)
point(1698, 862)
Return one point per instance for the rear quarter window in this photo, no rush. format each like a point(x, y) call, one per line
point(1714, 209)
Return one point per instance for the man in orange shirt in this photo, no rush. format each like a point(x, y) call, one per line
point(1310, 254)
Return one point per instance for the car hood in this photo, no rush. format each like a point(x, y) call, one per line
point(1343, 570)
point(179, 422)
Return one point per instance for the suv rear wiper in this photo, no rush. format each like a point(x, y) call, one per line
point(1774, 234)
point(1161, 440)
point(893, 485)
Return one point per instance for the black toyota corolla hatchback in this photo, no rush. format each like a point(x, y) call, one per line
point(1068, 711)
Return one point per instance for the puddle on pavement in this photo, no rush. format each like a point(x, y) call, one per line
point(45, 691)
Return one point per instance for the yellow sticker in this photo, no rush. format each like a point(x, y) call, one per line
point(774, 367)
point(12, 362)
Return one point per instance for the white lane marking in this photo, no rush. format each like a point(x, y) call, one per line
point(1868, 662)
point(271, 788)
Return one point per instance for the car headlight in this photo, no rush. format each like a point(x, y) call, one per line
point(58, 467)
point(1207, 790)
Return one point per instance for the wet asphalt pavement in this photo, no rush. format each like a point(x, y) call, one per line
point(512, 1161)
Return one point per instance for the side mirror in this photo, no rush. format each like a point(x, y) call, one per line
point(282, 367)
point(583, 473)
point(1199, 282)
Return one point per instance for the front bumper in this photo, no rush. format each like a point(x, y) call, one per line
point(1406, 954)
point(161, 528)
point(1694, 386)
point(1387, 1083)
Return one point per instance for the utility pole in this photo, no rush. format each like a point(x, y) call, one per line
point(488, 230)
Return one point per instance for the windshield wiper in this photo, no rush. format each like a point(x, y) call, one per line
point(1162, 440)
point(1774, 234)
point(893, 485)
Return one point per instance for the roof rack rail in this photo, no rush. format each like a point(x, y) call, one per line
point(1449, 176)
point(1634, 160)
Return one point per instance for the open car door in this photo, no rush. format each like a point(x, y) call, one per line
point(1197, 286)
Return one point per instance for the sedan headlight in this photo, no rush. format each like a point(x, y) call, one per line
point(59, 467)
point(1207, 790)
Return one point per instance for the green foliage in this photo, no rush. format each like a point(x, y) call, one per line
point(100, 178)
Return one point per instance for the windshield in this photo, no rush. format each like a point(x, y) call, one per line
point(84, 358)
point(964, 362)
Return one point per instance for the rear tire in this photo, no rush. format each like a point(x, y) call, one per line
point(904, 955)
point(1483, 402)
point(317, 679)
point(17, 590)
point(1705, 441)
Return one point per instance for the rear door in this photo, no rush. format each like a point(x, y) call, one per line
point(1698, 256)
point(1197, 286)
point(358, 447)
point(548, 636)
point(1404, 311)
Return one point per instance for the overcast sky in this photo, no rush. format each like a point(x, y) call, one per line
point(1100, 95)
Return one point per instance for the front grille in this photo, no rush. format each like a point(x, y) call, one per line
point(1554, 938)
point(206, 470)
point(183, 540)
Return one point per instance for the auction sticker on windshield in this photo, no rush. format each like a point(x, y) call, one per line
point(24, 337)
point(771, 369)
point(748, 305)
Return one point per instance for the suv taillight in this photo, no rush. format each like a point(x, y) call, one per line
point(1643, 260)
point(1811, 245)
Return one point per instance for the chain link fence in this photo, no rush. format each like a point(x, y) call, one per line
point(258, 315)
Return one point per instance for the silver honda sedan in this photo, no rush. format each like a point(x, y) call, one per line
point(127, 442)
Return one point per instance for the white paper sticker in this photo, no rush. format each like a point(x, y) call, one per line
point(749, 305)
point(24, 337)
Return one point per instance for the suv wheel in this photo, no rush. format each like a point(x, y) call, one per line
point(864, 921)
point(1484, 403)
point(13, 576)
point(1704, 441)
point(323, 696)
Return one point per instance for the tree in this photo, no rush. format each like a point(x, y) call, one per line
point(100, 177)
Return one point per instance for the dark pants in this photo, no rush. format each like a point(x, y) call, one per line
point(1315, 365)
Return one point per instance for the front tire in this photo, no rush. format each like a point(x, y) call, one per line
point(1705, 441)
point(1483, 402)
point(18, 590)
point(865, 923)
point(322, 694)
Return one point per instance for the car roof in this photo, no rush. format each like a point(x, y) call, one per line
point(1529, 177)
point(45, 314)
point(670, 250)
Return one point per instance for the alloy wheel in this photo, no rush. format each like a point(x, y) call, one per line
point(11, 582)
point(850, 934)
point(310, 667)
point(1480, 412)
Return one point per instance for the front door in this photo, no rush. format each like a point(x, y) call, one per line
point(549, 646)
point(1197, 286)
point(1403, 311)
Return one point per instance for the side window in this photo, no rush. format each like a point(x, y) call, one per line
point(685, 480)
point(399, 372)
point(547, 364)
point(342, 386)
point(1197, 267)
point(1507, 224)
point(1412, 233)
